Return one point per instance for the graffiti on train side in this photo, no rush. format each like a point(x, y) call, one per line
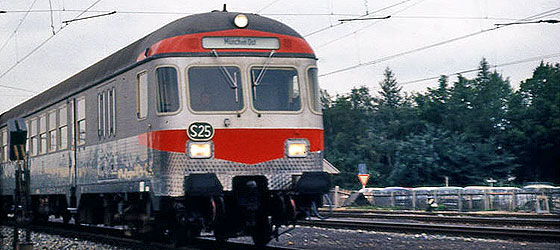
point(121, 164)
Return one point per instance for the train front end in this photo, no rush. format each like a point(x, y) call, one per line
point(240, 152)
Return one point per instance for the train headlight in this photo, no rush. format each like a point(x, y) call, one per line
point(199, 150)
point(297, 148)
point(241, 21)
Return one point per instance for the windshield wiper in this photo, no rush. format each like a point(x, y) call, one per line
point(257, 82)
point(232, 80)
point(263, 70)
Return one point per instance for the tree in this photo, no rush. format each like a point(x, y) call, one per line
point(347, 134)
point(433, 106)
point(425, 159)
point(533, 131)
point(390, 94)
point(489, 102)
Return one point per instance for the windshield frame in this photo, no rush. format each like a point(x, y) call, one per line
point(309, 90)
point(302, 92)
point(242, 91)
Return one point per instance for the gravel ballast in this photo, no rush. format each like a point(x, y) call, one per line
point(310, 238)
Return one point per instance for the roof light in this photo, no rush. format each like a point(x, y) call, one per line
point(241, 21)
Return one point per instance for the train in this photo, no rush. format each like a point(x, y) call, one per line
point(211, 123)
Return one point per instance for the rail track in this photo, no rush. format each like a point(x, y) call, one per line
point(536, 221)
point(115, 236)
point(463, 230)
point(492, 214)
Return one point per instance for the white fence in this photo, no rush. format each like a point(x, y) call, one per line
point(539, 200)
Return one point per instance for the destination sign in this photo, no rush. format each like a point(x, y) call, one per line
point(240, 43)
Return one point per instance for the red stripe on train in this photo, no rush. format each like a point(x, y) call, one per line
point(248, 146)
point(193, 43)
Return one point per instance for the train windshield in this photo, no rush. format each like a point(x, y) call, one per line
point(215, 88)
point(275, 89)
point(314, 91)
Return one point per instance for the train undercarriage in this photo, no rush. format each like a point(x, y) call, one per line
point(249, 209)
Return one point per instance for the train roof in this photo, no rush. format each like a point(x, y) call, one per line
point(128, 57)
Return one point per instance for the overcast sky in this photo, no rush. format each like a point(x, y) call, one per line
point(398, 42)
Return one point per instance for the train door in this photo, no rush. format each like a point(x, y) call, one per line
point(142, 110)
point(107, 168)
point(76, 113)
point(71, 114)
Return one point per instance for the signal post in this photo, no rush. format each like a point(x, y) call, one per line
point(363, 174)
point(17, 137)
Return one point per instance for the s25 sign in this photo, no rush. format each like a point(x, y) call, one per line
point(200, 131)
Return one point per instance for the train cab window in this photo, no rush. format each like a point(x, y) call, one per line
point(142, 95)
point(275, 89)
point(4, 146)
point(81, 121)
point(52, 131)
point(42, 134)
point(62, 128)
point(314, 90)
point(168, 92)
point(215, 88)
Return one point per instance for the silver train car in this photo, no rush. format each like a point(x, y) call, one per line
point(212, 122)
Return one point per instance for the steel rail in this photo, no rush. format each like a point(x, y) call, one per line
point(114, 236)
point(536, 222)
point(448, 213)
point(484, 231)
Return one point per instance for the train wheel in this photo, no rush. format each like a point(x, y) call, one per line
point(262, 233)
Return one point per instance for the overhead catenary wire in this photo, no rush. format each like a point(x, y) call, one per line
point(363, 19)
point(540, 15)
point(52, 19)
point(368, 26)
point(495, 18)
point(88, 17)
point(386, 58)
point(525, 60)
point(551, 14)
point(267, 6)
point(45, 41)
point(16, 88)
point(18, 26)
point(552, 21)
point(369, 13)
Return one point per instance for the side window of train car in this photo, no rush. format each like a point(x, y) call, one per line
point(215, 88)
point(314, 90)
point(112, 111)
point(275, 89)
point(43, 134)
point(106, 113)
point(62, 127)
point(168, 90)
point(81, 121)
point(142, 95)
point(52, 131)
point(101, 114)
point(34, 144)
